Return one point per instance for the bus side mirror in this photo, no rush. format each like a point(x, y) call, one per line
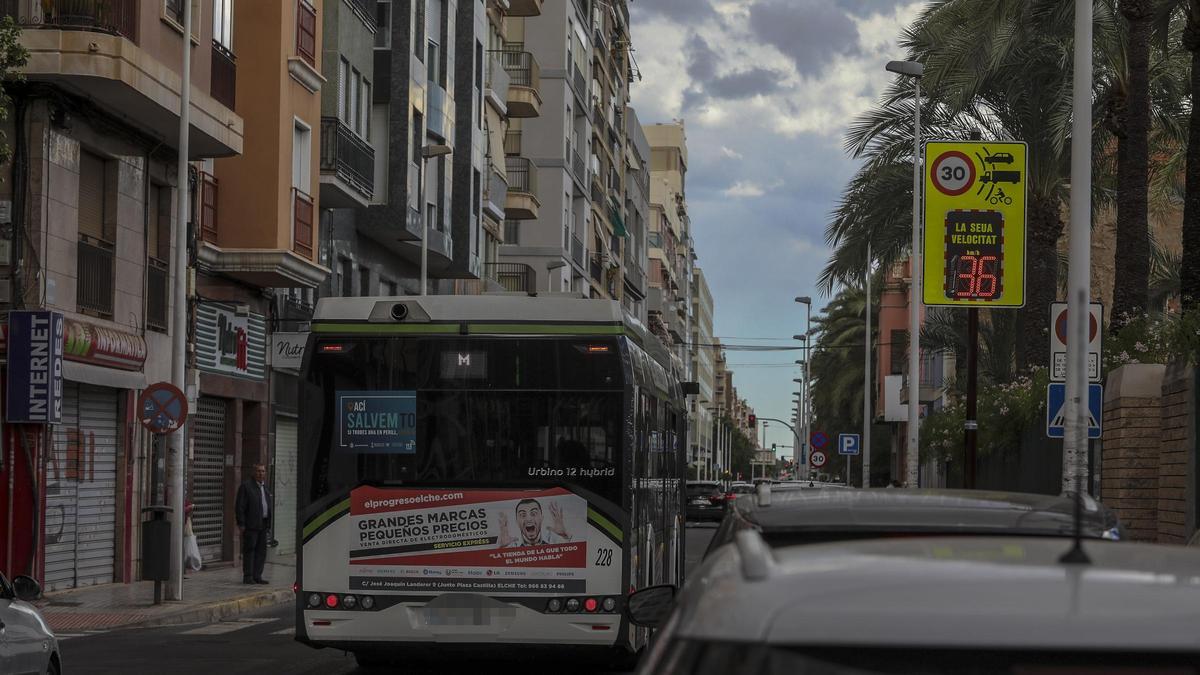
point(650, 606)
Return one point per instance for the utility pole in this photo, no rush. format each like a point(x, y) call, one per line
point(867, 389)
point(1075, 442)
point(179, 328)
point(914, 310)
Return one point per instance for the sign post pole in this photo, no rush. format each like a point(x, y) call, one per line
point(971, 425)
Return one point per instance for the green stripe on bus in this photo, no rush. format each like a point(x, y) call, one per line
point(331, 513)
point(601, 329)
point(607, 525)
point(385, 328)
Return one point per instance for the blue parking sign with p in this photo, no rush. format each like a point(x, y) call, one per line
point(849, 444)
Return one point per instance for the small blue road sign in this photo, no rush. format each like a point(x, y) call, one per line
point(1056, 404)
point(819, 440)
point(849, 444)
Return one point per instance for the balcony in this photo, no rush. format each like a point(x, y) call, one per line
point(512, 142)
point(521, 202)
point(578, 167)
point(596, 267)
point(580, 84)
point(437, 121)
point(157, 285)
point(525, 79)
point(525, 7)
point(495, 199)
point(94, 285)
point(302, 224)
point(223, 86)
point(115, 17)
point(90, 47)
point(496, 83)
point(513, 277)
point(577, 251)
point(635, 278)
point(347, 166)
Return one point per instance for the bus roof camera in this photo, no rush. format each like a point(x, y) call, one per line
point(399, 311)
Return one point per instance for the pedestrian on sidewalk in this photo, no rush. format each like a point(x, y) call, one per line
point(253, 512)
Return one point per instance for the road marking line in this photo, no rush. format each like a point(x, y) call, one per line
point(225, 627)
point(285, 631)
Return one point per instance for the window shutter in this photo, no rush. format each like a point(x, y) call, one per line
point(91, 195)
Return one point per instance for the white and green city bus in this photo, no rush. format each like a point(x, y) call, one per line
point(486, 471)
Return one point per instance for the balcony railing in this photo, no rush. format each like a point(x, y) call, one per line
point(208, 207)
point(514, 277)
point(365, 7)
point(118, 17)
point(306, 32)
point(578, 166)
point(522, 175)
point(596, 266)
point(577, 250)
point(497, 192)
point(512, 142)
point(224, 76)
point(302, 223)
point(523, 70)
point(94, 288)
point(634, 275)
point(580, 82)
point(156, 294)
point(347, 156)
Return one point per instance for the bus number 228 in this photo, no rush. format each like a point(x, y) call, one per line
point(604, 557)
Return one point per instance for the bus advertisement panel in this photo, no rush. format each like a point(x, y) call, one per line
point(482, 541)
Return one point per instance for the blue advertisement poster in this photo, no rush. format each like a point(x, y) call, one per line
point(35, 367)
point(377, 421)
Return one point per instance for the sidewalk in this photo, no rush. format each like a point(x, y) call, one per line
point(209, 595)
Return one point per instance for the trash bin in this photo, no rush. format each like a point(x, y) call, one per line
point(156, 544)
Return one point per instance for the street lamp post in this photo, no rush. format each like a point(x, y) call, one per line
point(427, 152)
point(867, 390)
point(914, 70)
point(807, 302)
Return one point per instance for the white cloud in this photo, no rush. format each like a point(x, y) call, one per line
point(743, 189)
point(730, 153)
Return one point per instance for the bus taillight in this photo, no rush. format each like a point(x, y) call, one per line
point(591, 604)
point(331, 601)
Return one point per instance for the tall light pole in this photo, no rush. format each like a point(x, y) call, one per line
point(867, 389)
point(914, 70)
point(427, 152)
point(1075, 443)
point(807, 433)
point(176, 450)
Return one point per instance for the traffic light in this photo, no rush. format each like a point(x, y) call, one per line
point(753, 419)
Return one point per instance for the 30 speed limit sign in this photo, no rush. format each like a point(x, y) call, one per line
point(953, 173)
point(818, 459)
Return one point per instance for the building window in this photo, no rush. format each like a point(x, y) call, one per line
point(898, 347)
point(223, 24)
point(512, 232)
point(343, 84)
point(364, 116)
point(352, 105)
point(92, 197)
point(383, 24)
point(419, 29)
point(431, 64)
point(301, 156)
point(174, 10)
point(158, 250)
point(364, 281)
point(346, 271)
point(306, 32)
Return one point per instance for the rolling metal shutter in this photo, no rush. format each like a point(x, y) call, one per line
point(284, 520)
point(81, 489)
point(208, 476)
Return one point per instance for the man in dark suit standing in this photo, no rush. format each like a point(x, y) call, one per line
point(253, 512)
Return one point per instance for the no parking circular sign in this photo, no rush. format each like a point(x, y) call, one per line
point(162, 408)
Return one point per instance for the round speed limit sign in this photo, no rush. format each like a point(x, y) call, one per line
point(953, 173)
point(818, 459)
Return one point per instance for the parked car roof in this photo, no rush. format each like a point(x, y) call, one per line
point(925, 510)
point(957, 592)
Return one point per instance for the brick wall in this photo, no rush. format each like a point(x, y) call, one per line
point(1178, 443)
point(1129, 474)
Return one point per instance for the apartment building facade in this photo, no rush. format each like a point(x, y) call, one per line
point(89, 230)
point(704, 368)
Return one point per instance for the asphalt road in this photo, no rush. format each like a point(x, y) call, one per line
point(261, 643)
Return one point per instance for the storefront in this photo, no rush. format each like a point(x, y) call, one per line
point(230, 425)
point(84, 463)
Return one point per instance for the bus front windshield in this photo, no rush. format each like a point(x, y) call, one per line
point(486, 411)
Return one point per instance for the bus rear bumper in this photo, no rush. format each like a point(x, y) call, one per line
point(412, 624)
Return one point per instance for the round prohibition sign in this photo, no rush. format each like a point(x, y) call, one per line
point(162, 408)
point(953, 173)
point(818, 459)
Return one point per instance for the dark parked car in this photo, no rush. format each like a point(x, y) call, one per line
point(705, 500)
point(816, 516)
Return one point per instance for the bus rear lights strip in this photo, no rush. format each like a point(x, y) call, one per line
point(602, 605)
point(346, 601)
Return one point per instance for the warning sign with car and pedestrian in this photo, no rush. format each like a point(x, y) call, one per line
point(974, 217)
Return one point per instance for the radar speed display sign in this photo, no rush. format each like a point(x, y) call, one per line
point(974, 215)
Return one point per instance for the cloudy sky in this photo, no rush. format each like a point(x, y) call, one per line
point(766, 89)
